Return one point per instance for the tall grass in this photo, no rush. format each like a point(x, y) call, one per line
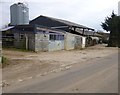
point(4, 61)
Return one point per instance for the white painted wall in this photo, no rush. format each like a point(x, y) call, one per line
point(83, 42)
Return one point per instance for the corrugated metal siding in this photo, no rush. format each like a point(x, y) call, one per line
point(19, 14)
point(13, 13)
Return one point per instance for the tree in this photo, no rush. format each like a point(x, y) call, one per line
point(112, 24)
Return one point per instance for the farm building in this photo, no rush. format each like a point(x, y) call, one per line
point(50, 34)
point(89, 36)
point(40, 38)
point(45, 33)
point(60, 24)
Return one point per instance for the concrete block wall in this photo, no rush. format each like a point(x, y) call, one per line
point(83, 42)
point(21, 43)
point(73, 41)
point(41, 42)
point(78, 42)
point(56, 45)
point(69, 41)
point(31, 41)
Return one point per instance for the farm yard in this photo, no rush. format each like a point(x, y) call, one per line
point(22, 66)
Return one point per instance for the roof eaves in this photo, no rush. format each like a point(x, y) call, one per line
point(7, 28)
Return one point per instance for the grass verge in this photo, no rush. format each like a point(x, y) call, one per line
point(4, 61)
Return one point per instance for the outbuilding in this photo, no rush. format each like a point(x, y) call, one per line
point(50, 34)
point(38, 38)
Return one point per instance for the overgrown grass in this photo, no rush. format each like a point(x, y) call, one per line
point(4, 61)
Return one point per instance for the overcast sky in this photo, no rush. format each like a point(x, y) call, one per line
point(85, 12)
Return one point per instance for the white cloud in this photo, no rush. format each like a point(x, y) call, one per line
point(87, 12)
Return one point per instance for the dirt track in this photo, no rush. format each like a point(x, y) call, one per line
point(25, 65)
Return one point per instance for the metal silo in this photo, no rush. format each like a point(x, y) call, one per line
point(19, 14)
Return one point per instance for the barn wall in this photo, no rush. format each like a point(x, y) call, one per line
point(19, 43)
point(31, 42)
point(41, 42)
point(78, 42)
point(83, 42)
point(56, 45)
point(26, 39)
point(73, 41)
point(69, 41)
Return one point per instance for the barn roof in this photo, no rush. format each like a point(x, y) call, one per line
point(7, 28)
point(30, 28)
point(43, 19)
